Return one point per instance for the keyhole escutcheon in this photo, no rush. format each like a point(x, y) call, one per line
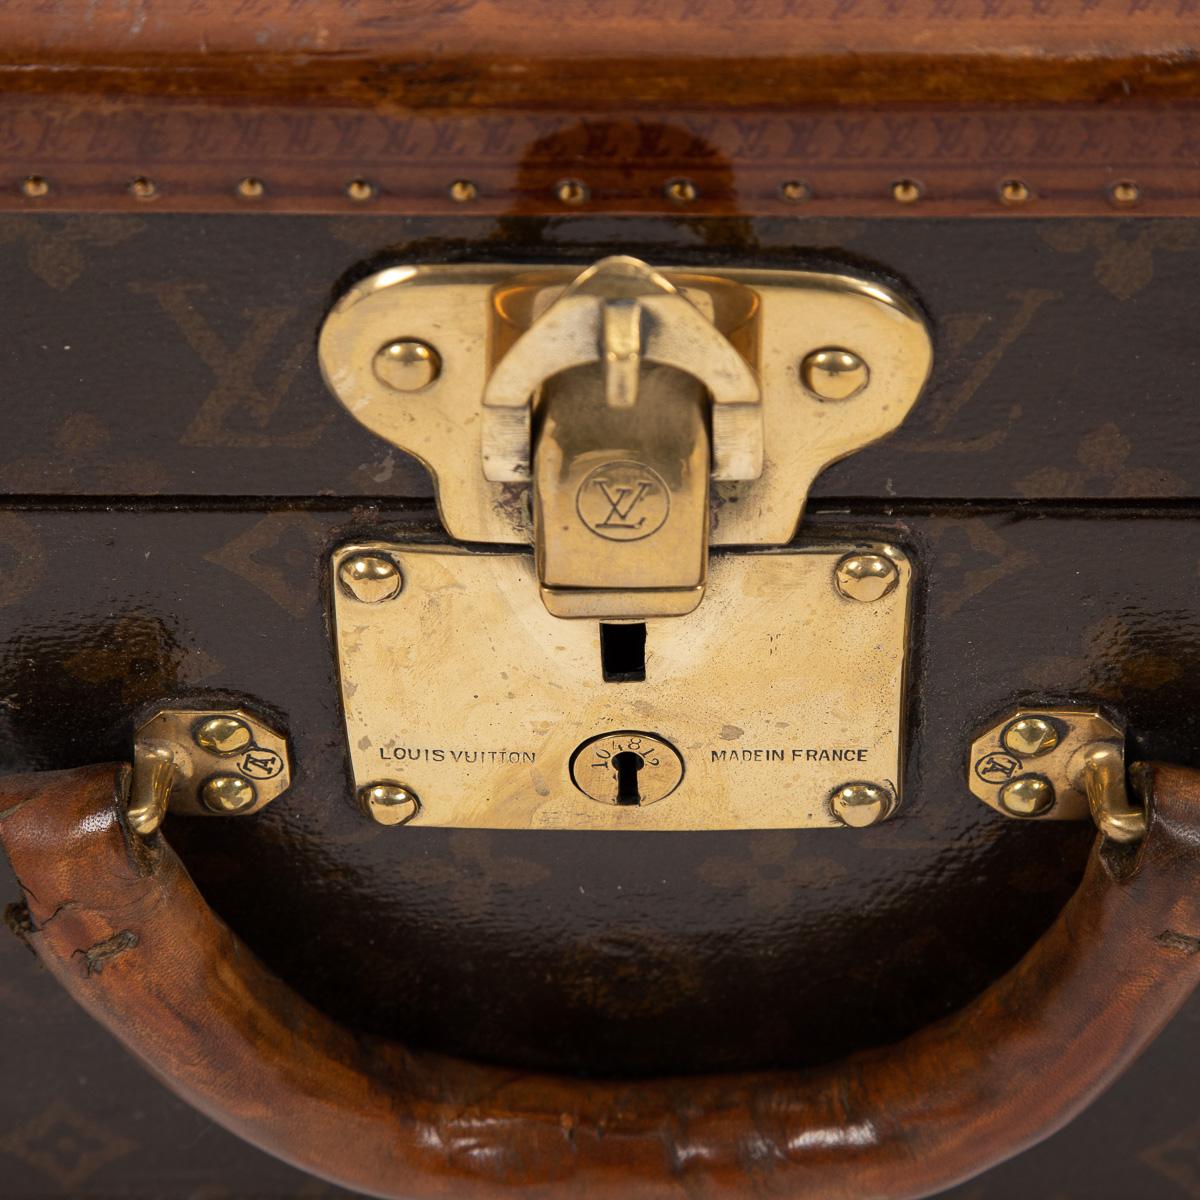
point(627, 768)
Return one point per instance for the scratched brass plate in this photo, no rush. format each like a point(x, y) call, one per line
point(775, 693)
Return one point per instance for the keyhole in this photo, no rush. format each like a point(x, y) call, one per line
point(627, 764)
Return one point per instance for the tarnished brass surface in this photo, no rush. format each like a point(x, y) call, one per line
point(1057, 764)
point(472, 315)
point(775, 694)
point(205, 762)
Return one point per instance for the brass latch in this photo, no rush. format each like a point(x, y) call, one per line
point(652, 434)
point(622, 419)
point(629, 379)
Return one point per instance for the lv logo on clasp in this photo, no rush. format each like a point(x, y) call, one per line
point(623, 501)
point(623, 497)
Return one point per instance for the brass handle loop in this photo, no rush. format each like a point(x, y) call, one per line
point(1103, 778)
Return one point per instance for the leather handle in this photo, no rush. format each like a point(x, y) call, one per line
point(121, 925)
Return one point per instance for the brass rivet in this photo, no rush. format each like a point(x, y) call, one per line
point(251, 188)
point(1125, 193)
point(407, 365)
point(682, 191)
point(223, 735)
point(866, 577)
point(906, 191)
point(795, 190)
point(370, 578)
point(1029, 737)
point(1029, 796)
point(227, 794)
point(1014, 191)
point(143, 188)
point(572, 191)
point(35, 187)
point(389, 803)
point(360, 189)
point(462, 191)
point(834, 374)
point(861, 804)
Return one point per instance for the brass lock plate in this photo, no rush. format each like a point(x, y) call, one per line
point(776, 704)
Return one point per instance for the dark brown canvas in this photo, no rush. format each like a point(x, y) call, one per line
point(174, 473)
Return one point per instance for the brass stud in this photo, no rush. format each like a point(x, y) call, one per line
point(370, 578)
point(1125, 193)
point(463, 191)
point(227, 794)
point(1029, 737)
point(1029, 796)
point(360, 190)
point(866, 577)
point(223, 735)
point(795, 190)
point(834, 374)
point(906, 191)
point(1014, 191)
point(35, 187)
point(251, 188)
point(572, 191)
point(143, 188)
point(407, 365)
point(389, 803)
point(682, 191)
point(859, 805)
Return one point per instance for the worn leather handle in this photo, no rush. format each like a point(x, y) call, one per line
point(121, 925)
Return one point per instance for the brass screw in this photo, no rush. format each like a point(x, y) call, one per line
point(682, 191)
point(1029, 737)
point(866, 577)
point(143, 188)
point(222, 735)
point(463, 191)
point(389, 803)
point(906, 191)
point(833, 374)
point(370, 578)
point(795, 190)
point(251, 188)
point(1014, 191)
point(572, 191)
point(1125, 193)
point(227, 794)
point(407, 365)
point(359, 190)
point(35, 187)
point(861, 804)
point(1029, 796)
